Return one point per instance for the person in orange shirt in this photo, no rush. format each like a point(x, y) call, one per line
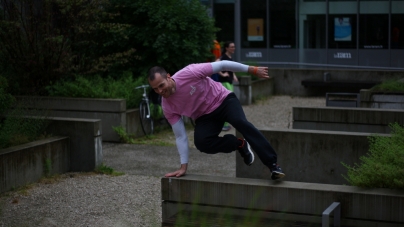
point(216, 49)
point(217, 53)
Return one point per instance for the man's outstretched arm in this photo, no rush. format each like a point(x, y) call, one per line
point(260, 72)
point(181, 139)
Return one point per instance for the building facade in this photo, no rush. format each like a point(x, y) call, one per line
point(313, 33)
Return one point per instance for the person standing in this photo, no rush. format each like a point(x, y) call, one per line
point(190, 92)
point(216, 53)
point(227, 77)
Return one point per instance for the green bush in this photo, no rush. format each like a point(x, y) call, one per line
point(390, 85)
point(15, 129)
point(98, 87)
point(6, 99)
point(383, 167)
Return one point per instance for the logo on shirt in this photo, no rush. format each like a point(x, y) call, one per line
point(192, 90)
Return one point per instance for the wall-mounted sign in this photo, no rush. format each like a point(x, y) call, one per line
point(342, 29)
point(255, 30)
point(342, 55)
point(253, 55)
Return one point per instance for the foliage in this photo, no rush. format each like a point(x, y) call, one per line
point(389, 85)
point(41, 43)
point(172, 33)
point(383, 167)
point(6, 99)
point(157, 138)
point(103, 169)
point(15, 128)
point(98, 87)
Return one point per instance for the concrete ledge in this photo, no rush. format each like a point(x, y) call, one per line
point(111, 112)
point(281, 200)
point(367, 120)
point(311, 156)
point(382, 100)
point(248, 91)
point(23, 164)
point(78, 104)
point(85, 141)
point(288, 81)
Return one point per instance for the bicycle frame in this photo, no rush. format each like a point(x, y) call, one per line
point(145, 98)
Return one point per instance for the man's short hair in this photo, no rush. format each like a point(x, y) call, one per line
point(157, 69)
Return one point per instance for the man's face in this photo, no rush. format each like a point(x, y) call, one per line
point(163, 86)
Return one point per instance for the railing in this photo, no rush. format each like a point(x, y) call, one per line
point(336, 208)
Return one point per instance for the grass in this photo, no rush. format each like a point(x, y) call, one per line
point(103, 169)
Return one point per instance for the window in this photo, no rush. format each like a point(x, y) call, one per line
point(397, 25)
point(342, 24)
point(224, 19)
point(282, 23)
point(373, 24)
point(373, 31)
point(253, 24)
point(312, 19)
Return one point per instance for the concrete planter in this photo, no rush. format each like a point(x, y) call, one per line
point(211, 199)
point(248, 91)
point(382, 100)
point(111, 112)
point(27, 163)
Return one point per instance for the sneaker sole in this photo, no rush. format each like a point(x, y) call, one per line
point(277, 175)
point(252, 153)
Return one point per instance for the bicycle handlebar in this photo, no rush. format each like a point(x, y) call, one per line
point(142, 86)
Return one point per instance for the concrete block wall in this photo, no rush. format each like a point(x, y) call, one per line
point(85, 141)
point(133, 126)
point(311, 156)
point(368, 120)
point(23, 164)
point(382, 100)
point(283, 200)
point(288, 81)
point(247, 90)
point(111, 112)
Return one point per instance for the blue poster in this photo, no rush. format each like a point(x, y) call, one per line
point(342, 29)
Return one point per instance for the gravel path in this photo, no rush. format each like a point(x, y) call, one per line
point(133, 199)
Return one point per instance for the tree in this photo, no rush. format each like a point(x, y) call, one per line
point(42, 41)
point(170, 33)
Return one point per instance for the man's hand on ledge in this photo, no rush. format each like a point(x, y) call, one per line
point(178, 173)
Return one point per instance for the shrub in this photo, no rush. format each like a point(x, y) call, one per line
point(98, 87)
point(383, 167)
point(390, 85)
point(6, 99)
point(15, 128)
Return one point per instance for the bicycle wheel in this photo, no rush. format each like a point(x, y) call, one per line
point(146, 120)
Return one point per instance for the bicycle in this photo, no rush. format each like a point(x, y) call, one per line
point(146, 120)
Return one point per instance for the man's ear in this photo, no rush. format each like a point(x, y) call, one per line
point(168, 75)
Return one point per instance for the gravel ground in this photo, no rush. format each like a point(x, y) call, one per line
point(133, 199)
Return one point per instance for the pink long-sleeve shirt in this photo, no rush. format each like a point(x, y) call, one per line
point(196, 93)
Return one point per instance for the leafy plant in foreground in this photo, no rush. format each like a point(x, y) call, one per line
point(383, 167)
